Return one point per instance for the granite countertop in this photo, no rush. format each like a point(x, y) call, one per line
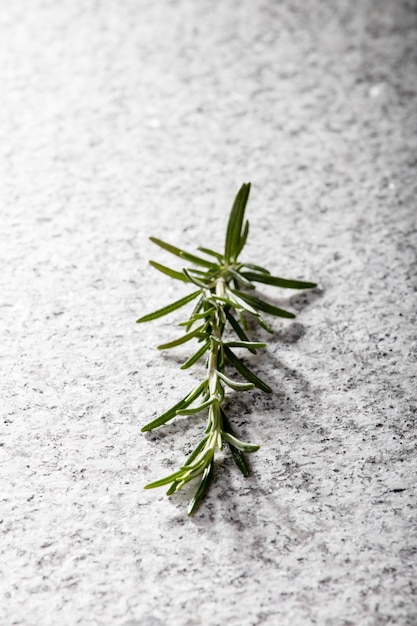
point(123, 119)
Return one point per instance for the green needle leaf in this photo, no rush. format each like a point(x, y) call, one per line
point(169, 272)
point(165, 417)
point(236, 386)
point(198, 316)
point(200, 446)
point(164, 481)
point(234, 227)
point(257, 268)
point(177, 342)
point(173, 488)
point(202, 490)
point(238, 302)
point(172, 412)
point(201, 461)
point(211, 253)
point(261, 305)
point(238, 329)
point(231, 303)
point(168, 309)
point(182, 253)
point(239, 459)
point(240, 445)
point(264, 325)
point(194, 454)
point(196, 356)
point(245, 344)
point(195, 280)
point(189, 475)
point(243, 239)
point(196, 409)
point(241, 278)
point(203, 273)
point(200, 303)
point(278, 282)
point(238, 456)
point(245, 372)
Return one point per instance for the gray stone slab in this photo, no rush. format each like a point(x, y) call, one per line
point(123, 119)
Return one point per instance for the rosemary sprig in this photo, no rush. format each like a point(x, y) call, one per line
point(222, 304)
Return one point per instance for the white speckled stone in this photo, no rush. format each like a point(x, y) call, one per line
point(125, 118)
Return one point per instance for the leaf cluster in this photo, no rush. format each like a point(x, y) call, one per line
point(224, 298)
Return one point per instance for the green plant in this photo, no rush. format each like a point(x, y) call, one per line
point(221, 284)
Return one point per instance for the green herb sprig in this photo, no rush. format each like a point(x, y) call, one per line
point(222, 300)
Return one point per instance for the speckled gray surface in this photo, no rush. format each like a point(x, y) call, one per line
point(125, 118)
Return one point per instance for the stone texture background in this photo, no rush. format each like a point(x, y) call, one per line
point(125, 118)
